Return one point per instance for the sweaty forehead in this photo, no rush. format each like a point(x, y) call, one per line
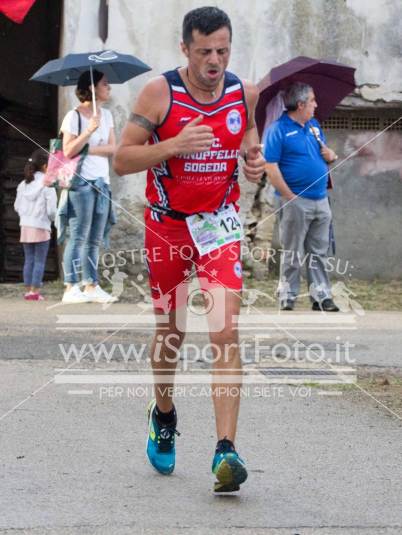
point(215, 40)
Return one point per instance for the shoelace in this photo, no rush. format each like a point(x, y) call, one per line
point(165, 437)
point(225, 446)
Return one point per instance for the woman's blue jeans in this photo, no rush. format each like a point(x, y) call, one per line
point(87, 227)
point(35, 262)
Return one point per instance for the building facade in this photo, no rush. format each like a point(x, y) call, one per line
point(364, 33)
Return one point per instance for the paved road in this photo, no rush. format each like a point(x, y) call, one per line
point(35, 331)
point(75, 464)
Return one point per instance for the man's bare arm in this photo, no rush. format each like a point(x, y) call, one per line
point(133, 154)
point(142, 121)
point(251, 135)
point(254, 167)
point(277, 180)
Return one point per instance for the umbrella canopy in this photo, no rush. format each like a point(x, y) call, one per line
point(331, 81)
point(117, 67)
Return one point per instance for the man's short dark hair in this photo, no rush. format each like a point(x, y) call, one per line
point(206, 20)
point(295, 93)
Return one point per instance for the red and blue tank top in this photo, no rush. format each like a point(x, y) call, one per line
point(203, 181)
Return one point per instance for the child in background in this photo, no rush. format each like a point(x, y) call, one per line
point(36, 205)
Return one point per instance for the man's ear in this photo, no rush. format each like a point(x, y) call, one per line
point(184, 48)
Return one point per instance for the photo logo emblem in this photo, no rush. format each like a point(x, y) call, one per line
point(107, 55)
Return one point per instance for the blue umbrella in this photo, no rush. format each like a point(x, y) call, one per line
point(65, 71)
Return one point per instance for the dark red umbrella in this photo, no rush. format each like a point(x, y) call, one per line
point(331, 82)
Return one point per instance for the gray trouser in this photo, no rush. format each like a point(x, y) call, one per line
point(304, 235)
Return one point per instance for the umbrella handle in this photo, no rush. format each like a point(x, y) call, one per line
point(92, 90)
point(317, 137)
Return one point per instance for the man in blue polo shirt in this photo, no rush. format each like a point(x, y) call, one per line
point(297, 166)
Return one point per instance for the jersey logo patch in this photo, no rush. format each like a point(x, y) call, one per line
point(184, 120)
point(237, 269)
point(233, 121)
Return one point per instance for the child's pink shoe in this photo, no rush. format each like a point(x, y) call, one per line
point(30, 296)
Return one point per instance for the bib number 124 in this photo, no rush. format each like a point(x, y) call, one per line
point(230, 224)
point(213, 230)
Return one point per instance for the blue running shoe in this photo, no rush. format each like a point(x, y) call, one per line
point(228, 467)
point(160, 447)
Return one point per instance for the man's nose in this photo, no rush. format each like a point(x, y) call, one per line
point(214, 57)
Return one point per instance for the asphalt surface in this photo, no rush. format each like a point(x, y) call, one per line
point(73, 455)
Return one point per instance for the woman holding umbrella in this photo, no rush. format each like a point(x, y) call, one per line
point(88, 207)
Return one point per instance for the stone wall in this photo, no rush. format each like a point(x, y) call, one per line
point(366, 203)
point(363, 33)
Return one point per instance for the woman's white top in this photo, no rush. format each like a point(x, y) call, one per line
point(93, 167)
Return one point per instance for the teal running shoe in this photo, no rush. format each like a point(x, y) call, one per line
point(161, 443)
point(228, 467)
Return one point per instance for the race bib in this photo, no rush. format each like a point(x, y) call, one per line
point(212, 230)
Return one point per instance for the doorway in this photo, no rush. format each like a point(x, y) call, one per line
point(28, 115)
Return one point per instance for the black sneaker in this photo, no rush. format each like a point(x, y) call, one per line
point(327, 305)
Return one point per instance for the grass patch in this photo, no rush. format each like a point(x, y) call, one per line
point(385, 388)
point(371, 295)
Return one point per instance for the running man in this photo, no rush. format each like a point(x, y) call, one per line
point(187, 128)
